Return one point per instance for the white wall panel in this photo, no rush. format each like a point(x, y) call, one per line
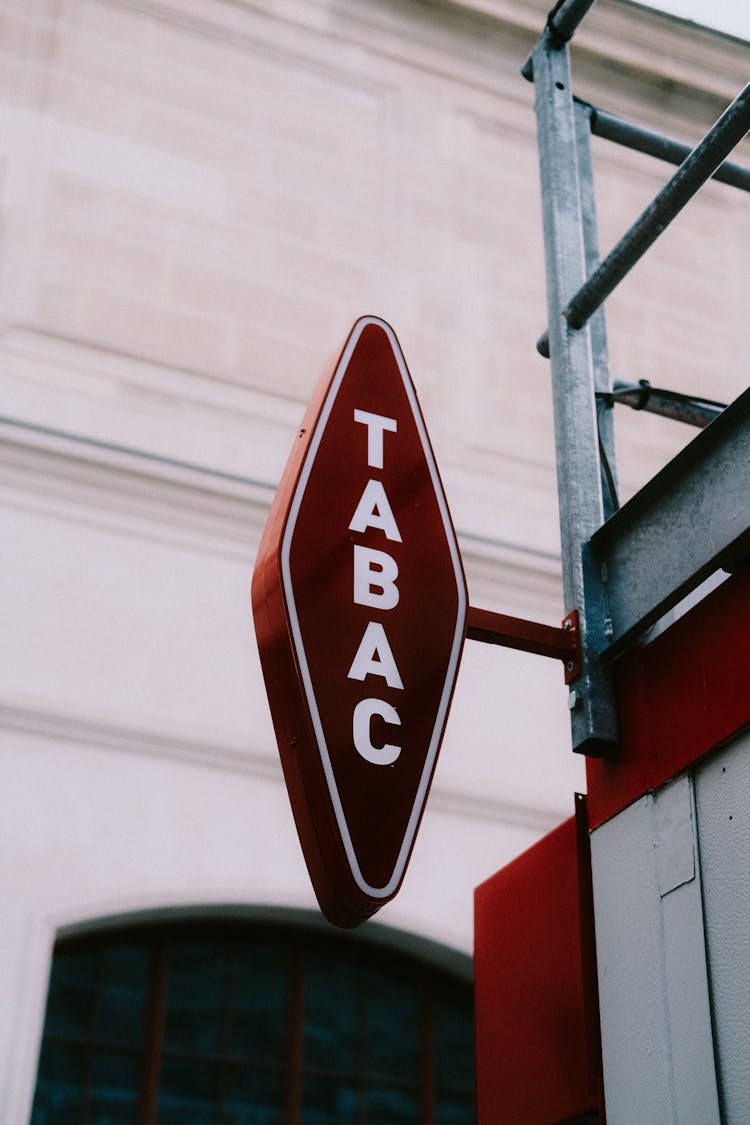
point(722, 791)
point(657, 1039)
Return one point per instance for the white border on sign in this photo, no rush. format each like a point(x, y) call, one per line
point(286, 544)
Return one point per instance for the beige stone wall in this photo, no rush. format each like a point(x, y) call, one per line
point(208, 194)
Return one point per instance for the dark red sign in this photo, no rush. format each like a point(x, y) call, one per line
point(359, 601)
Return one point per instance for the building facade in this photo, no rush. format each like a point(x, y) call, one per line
point(198, 199)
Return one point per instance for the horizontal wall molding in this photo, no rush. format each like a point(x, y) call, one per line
point(120, 738)
point(66, 728)
point(113, 482)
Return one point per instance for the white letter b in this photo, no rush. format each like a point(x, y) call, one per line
point(375, 574)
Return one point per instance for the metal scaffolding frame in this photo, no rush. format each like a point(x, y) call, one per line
point(623, 569)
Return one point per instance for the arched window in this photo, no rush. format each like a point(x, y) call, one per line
point(251, 1025)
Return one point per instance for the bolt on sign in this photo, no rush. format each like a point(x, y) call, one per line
point(359, 600)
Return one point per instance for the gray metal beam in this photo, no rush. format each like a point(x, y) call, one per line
point(691, 519)
point(704, 162)
point(592, 708)
point(565, 18)
point(698, 167)
point(669, 404)
point(603, 384)
point(561, 26)
point(613, 128)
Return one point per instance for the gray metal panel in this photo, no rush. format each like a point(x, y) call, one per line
point(690, 519)
point(653, 988)
point(722, 789)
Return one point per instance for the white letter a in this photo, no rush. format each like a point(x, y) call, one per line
point(374, 510)
point(374, 657)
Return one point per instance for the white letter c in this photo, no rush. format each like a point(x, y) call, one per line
point(363, 712)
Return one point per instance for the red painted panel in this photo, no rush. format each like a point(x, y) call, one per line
point(359, 601)
point(537, 1037)
point(678, 698)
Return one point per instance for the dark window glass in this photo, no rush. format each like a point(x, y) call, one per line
point(331, 1013)
point(194, 997)
point(209, 1025)
point(454, 1109)
point(389, 1106)
point(392, 1028)
point(454, 1044)
point(59, 1094)
point(253, 1097)
point(188, 1092)
point(329, 1101)
point(71, 994)
point(114, 1088)
point(121, 1011)
point(259, 987)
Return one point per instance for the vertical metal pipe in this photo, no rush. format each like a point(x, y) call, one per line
point(600, 358)
point(592, 709)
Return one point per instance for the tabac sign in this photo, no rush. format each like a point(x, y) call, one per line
point(360, 608)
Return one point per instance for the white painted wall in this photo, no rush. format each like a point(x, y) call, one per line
point(197, 199)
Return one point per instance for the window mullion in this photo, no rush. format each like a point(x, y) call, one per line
point(90, 1044)
point(360, 1082)
point(295, 1048)
point(427, 1057)
point(154, 1036)
point(224, 1047)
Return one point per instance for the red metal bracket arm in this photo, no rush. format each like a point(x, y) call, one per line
point(528, 636)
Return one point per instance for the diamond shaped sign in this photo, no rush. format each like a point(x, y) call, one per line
point(360, 603)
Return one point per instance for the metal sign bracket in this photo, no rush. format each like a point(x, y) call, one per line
point(529, 636)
